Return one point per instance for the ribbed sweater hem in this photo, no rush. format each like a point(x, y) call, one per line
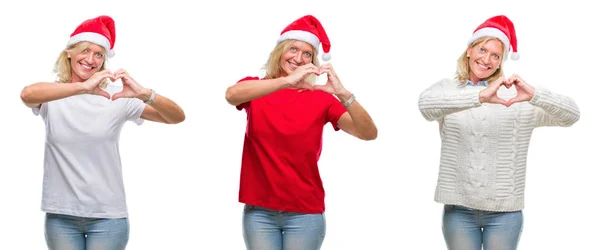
point(509, 204)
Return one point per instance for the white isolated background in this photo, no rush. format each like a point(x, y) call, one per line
point(182, 180)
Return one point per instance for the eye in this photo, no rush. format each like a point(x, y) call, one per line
point(293, 49)
point(496, 56)
point(85, 50)
point(307, 54)
point(481, 49)
point(99, 55)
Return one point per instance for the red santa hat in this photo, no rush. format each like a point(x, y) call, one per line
point(99, 30)
point(308, 29)
point(502, 28)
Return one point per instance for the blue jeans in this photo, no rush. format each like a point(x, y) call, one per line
point(470, 229)
point(266, 229)
point(65, 232)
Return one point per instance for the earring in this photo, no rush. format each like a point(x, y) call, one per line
point(468, 55)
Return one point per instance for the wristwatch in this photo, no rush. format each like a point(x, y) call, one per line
point(152, 96)
point(349, 101)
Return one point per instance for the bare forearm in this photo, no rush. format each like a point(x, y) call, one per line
point(167, 109)
point(38, 93)
point(360, 117)
point(249, 90)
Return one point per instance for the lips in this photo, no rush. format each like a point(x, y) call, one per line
point(482, 67)
point(293, 66)
point(86, 67)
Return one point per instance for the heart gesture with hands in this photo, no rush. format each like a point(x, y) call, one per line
point(524, 91)
point(490, 94)
point(296, 78)
point(333, 84)
point(131, 88)
point(92, 84)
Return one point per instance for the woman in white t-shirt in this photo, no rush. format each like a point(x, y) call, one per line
point(83, 193)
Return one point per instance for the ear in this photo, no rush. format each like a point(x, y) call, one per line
point(69, 55)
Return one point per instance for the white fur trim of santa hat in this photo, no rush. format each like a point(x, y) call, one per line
point(301, 35)
point(93, 38)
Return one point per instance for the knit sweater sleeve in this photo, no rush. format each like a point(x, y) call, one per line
point(553, 109)
point(447, 97)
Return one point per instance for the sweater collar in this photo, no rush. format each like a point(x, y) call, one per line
point(481, 83)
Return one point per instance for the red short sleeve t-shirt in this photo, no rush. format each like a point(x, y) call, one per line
point(282, 146)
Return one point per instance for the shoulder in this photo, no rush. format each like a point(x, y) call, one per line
point(443, 84)
point(447, 82)
point(247, 78)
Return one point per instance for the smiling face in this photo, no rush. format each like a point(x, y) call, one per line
point(87, 62)
point(484, 59)
point(298, 54)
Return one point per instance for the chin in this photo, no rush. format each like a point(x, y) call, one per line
point(482, 76)
point(84, 77)
point(286, 71)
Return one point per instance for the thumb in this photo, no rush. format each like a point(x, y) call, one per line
point(118, 95)
point(319, 87)
point(510, 102)
point(102, 93)
point(498, 100)
point(306, 85)
point(515, 100)
point(105, 94)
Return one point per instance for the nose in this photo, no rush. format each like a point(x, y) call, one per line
point(89, 58)
point(298, 57)
point(486, 58)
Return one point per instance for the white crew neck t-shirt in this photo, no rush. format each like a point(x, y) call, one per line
point(82, 164)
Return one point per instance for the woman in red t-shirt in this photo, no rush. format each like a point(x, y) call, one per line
point(280, 182)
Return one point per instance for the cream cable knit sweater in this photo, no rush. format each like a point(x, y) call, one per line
point(484, 146)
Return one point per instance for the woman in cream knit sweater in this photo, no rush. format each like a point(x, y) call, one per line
point(485, 132)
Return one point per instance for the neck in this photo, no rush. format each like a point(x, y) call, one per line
point(474, 79)
point(75, 77)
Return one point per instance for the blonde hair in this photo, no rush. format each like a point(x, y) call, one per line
point(273, 66)
point(462, 67)
point(63, 69)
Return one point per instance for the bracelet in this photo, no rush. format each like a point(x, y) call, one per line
point(349, 101)
point(152, 96)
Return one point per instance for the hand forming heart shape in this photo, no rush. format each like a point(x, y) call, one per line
point(131, 89)
point(524, 91)
point(93, 85)
point(333, 84)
